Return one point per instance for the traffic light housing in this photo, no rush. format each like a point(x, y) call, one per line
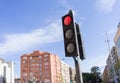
point(80, 43)
point(69, 35)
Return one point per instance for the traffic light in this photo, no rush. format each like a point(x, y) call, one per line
point(69, 35)
point(80, 43)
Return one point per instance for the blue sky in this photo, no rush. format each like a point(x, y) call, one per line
point(28, 25)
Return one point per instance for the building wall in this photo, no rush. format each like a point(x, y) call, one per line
point(42, 66)
point(1, 79)
point(56, 69)
point(109, 68)
point(65, 73)
point(117, 44)
point(7, 70)
point(112, 60)
point(105, 75)
point(72, 75)
point(117, 41)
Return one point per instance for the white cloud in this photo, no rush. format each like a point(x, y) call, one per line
point(23, 41)
point(105, 5)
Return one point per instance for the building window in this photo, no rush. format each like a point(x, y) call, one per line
point(40, 69)
point(46, 72)
point(45, 55)
point(40, 65)
point(31, 74)
point(37, 64)
point(5, 71)
point(40, 57)
point(47, 76)
point(25, 74)
point(24, 62)
point(40, 73)
point(46, 63)
point(46, 67)
point(47, 80)
point(30, 57)
point(46, 59)
point(33, 60)
point(40, 61)
point(40, 76)
point(24, 57)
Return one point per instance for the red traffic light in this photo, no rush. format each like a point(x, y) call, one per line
point(67, 20)
point(69, 35)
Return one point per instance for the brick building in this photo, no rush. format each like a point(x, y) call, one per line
point(42, 67)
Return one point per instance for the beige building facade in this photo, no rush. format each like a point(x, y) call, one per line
point(65, 72)
point(112, 60)
point(117, 41)
point(72, 75)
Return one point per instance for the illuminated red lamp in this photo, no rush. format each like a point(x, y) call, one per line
point(67, 20)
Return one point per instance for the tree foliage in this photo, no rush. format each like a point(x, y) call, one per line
point(89, 78)
point(95, 70)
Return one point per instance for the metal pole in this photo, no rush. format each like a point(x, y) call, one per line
point(77, 60)
point(114, 73)
point(78, 72)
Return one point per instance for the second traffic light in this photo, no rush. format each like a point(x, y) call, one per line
point(80, 43)
point(69, 35)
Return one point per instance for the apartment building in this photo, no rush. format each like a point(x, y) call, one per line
point(42, 67)
point(6, 71)
point(109, 69)
point(117, 41)
point(72, 75)
point(117, 44)
point(112, 60)
point(105, 75)
point(65, 72)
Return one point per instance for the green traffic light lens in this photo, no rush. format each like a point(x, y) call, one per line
point(70, 48)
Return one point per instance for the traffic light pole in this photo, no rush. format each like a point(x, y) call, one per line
point(78, 72)
point(79, 78)
point(73, 42)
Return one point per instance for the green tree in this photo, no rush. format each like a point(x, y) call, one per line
point(30, 81)
point(95, 70)
point(89, 78)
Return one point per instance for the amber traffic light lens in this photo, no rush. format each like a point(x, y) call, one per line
point(69, 34)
